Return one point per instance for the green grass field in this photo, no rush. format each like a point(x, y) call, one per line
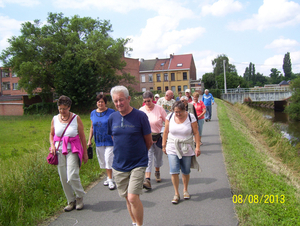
point(30, 189)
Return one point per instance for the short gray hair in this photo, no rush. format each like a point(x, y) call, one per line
point(147, 94)
point(206, 90)
point(184, 97)
point(119, 89)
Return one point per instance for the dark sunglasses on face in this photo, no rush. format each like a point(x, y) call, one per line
point(147, 101)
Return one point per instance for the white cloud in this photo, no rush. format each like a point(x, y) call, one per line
point(28, 3)
point(283, 45)
point(163, 7)
point(8, 28)
point(273, 13)
point(221, 8)
point(161, 36)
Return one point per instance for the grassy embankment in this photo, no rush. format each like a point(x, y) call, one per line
point(263, 168)
point(30, 189)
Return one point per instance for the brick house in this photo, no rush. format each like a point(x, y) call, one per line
point(175, 73)
point(11, 98)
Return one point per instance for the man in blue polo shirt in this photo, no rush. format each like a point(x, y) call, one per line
point(208, 101)
point(131, 132)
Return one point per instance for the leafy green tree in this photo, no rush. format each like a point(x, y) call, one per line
point(217, 64)
point(261, 80)
point(249, 74)
point(232, 81)
point(287, 66)
point(276, 76)
point(294, 108)
point(209, 80)
point(71, 56)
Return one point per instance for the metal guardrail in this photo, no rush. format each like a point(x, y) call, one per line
point(258, 90)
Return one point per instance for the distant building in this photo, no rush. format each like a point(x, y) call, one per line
point(174, 73)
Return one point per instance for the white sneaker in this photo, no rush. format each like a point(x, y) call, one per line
point(105, 183)
point(111, 184)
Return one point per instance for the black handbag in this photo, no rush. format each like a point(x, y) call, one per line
point(90, 152)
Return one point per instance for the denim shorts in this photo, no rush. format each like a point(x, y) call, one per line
point(177, 164)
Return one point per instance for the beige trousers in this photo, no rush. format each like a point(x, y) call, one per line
point(68, 169)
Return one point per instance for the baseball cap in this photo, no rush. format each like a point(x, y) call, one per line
point(156, 95)
point(187, 90)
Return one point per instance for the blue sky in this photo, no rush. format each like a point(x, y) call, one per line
point(254, 31)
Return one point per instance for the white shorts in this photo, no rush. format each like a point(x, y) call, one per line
point(105, 156)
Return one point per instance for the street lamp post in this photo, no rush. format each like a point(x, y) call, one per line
point(225, 87)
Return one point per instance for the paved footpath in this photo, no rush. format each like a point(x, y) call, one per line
point(210, 203)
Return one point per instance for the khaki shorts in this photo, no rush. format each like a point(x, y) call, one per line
point(130, 182)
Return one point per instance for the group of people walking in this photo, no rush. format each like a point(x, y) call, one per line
point(128, 143)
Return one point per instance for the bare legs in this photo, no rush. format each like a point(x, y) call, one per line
point(135, 208)
point(175, 182)
point(148, 174)
point(109, 173)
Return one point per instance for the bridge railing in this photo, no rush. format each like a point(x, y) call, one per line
point(259, 90)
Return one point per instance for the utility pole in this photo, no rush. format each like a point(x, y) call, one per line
point(225, 87)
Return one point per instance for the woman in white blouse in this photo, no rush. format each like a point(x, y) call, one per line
point(178, 144)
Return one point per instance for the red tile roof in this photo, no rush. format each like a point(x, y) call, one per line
point(180, 62)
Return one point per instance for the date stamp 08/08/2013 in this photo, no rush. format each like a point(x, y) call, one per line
point(265, 199)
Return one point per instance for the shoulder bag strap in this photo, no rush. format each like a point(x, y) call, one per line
point(65, 130)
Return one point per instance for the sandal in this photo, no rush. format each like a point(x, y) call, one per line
point(186, 195)
point(176, 199)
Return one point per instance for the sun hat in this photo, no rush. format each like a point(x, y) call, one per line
point(157, 95)
point(187, 90)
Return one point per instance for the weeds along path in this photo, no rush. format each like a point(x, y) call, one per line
point(251, 125)
point(262, 167)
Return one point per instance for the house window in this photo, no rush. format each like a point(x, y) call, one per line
point(172, 76)
point(15, 86)
point(184, 76)
point(179, 65)
point(179, 88)
point(173, 88)
point(158, 77)
point(166, 76)
point(166, 88)
point(150, 77)
point(5, 74)
point(159, 88)
point(144, 89)
point(143, 78)
point(151, 88)
point(13, 75)
point(6, 85)
point(184, 87)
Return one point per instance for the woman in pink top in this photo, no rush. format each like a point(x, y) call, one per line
point(156, 115)
point(71, 151)
point(200, 110)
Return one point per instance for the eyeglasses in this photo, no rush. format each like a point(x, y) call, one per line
point(182, 101)
point(147, 101)
point(122, 123)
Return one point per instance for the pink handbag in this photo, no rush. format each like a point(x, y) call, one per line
point(53, 159)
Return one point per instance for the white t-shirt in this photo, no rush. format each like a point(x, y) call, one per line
point(180, 131)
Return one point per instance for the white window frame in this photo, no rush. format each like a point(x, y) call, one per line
point(143, 78)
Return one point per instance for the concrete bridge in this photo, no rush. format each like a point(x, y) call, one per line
point(257, 94)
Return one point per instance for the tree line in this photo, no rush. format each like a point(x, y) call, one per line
point(250, 78)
